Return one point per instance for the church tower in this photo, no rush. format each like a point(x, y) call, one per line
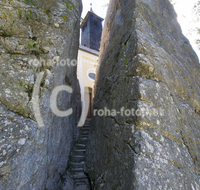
point(91, 30)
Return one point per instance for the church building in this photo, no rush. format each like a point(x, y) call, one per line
point(88, 54)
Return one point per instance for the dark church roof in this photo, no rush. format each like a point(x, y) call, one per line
point(91, 30)
point(91, 12)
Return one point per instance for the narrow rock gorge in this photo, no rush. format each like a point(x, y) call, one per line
point(35, 36)
point(145, 129)
point(145, 133)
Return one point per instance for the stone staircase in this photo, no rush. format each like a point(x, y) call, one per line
point(76, 160)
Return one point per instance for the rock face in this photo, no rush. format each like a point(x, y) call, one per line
point(34, 37)
point(146, 132)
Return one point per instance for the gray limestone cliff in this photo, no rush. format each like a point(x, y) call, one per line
point(146, 129)
point(34, 37)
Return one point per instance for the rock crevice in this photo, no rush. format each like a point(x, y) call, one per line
point(145, 64)
point(34, 37)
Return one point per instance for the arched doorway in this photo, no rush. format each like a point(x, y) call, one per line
point(88, 91)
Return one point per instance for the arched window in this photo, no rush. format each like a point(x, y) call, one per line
point(92, 76)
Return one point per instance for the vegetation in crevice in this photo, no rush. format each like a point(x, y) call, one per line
point(30, 14)
point(30, 2)
point(124, 61)
point(34, 48)
point(28, 88)
point(5, 32)
point(21, 112)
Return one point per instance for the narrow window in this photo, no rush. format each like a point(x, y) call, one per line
point(95, 23)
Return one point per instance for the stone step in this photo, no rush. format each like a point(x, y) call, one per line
point(78, 175)
point(86, 125)
point(77, 158)
point(83, 140)
point(82, 187)
point(72, 170)
point(85, 129)
point(79, 146)
point(80, 152)
point(86, 132)
point(83, 136)
point(87, 122)
point(76, 164)
point(80, 181)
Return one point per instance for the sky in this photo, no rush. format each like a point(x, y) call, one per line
point(186, 18)
point(99, 7)
point(183, 8)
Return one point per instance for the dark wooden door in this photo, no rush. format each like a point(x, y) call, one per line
point(90, 105)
